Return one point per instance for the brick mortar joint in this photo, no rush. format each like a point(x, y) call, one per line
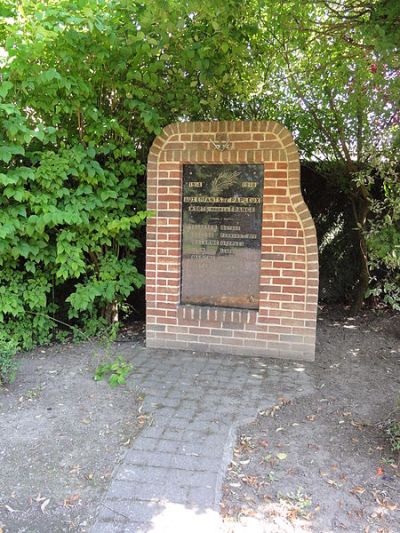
point(223, 127)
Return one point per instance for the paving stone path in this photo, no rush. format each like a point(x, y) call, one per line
point(171, 477)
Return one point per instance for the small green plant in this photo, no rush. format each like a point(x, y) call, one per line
point(299, 500)
point(388, 461)
point(116, 371)
point(8, 364)
point(31, 394)
point(393, 432)
point(62, 336)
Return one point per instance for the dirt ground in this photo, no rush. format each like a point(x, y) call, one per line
point(322, 463)
point(61, 436)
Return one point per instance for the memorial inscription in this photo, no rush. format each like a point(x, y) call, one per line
point(221, 234)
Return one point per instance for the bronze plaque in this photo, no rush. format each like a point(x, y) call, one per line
point(221, 235)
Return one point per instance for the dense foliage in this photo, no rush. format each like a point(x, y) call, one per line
point(383, 231)
point(334, 80)
point(85, 87)
point(87, 84)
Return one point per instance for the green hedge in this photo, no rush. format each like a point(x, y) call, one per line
point(85, 87)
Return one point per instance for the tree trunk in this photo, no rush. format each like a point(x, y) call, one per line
point(111, 312)
point(361, 210)
point(363, 279)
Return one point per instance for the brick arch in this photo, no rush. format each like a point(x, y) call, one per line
point(284, 325)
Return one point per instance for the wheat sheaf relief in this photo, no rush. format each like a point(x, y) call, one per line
point(224, 181)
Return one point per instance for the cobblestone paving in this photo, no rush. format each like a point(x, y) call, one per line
point(171, 477)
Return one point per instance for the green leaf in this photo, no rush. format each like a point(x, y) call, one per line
point(5, 87)
point(225, 47)
point(5, 154)
point(8, 179)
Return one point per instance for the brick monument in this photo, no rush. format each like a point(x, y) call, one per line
point(232, 260)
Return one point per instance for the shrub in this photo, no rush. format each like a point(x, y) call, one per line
point(85, 87)
point(383, 231)
point(393, 432)
point(8, 364)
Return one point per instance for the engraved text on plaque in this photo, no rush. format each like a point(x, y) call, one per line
point(221, 235)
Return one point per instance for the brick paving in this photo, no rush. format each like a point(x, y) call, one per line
point(171, 478)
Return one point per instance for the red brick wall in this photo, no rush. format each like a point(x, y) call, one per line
point(284, 326)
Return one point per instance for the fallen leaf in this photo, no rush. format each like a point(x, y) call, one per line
point(380, 471)
point(358, 425)
point(311, 418)
point(281, 456)
point(389, 505)
point(45, 504)
point(248, 512)
point(251, 480)
point(285, 401)
point(85, 421)
point(357, 490)
point(333, 483)
point(71, 500)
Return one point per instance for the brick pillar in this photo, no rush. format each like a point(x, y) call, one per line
point(285, 323)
